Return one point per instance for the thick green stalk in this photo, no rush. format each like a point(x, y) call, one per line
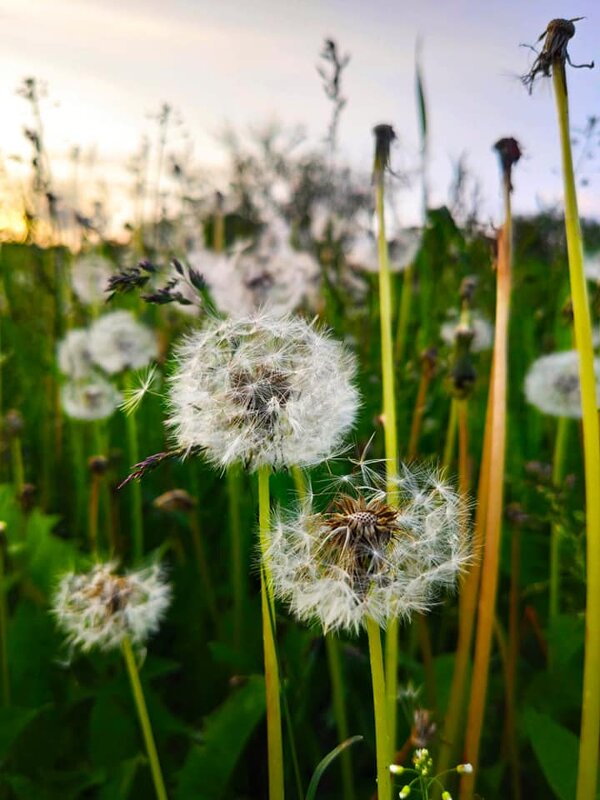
point(558, 461)
point(336, 676)
point(390, 436)
point(382, 742)
point(137, 525)
point(140, 704)
point(274, 737)
point(587, 775)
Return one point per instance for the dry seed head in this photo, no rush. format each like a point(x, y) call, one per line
point(263, 390)
point(175, 500)
point(73, 354)
point(101, 609)
point(90, 275)
point(554, 52)
point(119, 342)
point(384, 136)
point(552, 384)
point(89, 399)
point(366, 559)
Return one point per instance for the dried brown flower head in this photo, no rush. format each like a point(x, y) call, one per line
point(554, 51)
point(384, 136)
point(175, 500)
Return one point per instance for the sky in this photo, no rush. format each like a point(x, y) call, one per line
point(109, 64)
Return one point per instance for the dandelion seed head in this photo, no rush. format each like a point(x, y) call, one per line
point(73, 354)
point(483, 332)
point(89, 277)
point(263, 390)
point(101, 608)
point(119, 342)
point(365, 558)
point(89, 399)
point(552, 384)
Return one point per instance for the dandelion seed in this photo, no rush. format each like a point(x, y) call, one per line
point(366, 559)
point(89, 399)
point(132, 398)
point(90, 278)
point(262, 391)
point(119, 342)
point(73, 354)
point(552, 384)
point(102, 609)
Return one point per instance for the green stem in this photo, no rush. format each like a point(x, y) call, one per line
point(558, 461)
point(274, 737)
point(204, 568)
point(238, 574)
point(336, 676)
point(382, 743)
point(137, 525)
point(451, 434)
point(4, 623)
point(587, 775)
point(17, 463)
point(390, 435)
point(140, 704)
point(404, 313)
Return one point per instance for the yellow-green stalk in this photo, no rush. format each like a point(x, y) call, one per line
point(509, 152)
point(587, 774)
point(384, 136)
point(3, 621)
point(382, 742)
point(274, 733)
point(140, 704)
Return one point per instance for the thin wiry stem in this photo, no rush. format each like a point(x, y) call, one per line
point(137, 525)
point(587, 775)
point(140, 704)
point(274, 737)
point(558, 462)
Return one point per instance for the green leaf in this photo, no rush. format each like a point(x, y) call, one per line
point(121, 780)
point(49, 556)
point(113, 732)
point(13, 722)
point(556, 750)
point(210, 765)
point(324, 763)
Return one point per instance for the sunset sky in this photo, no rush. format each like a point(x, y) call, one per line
point(109, 64)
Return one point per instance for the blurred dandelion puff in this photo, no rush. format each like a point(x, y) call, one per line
point(89, 399)
point(101, 608)
point(119, 342)
point(552, 384)
point(73, 354)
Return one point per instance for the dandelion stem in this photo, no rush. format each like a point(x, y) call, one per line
point(136, 489)
point(384, 782)
point(4, 622)
point(493, 519)
point(420, 403)
point(336, 676)
point(390, 435)
point(558, 463)
point(140, 704)
point(16, 454)
point(274, 738)
point(238, 575)
point(587, 775)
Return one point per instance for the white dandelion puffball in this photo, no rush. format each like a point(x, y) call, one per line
point(73, 354)
point(89, 399)
point(263, 390)
point(591, 267)
point(365, 559)
point(269, 276)
point(483, 332)
point(403, 246)
point(101, 609)
point(89, 278)
point(119, 342)
point(552, 384)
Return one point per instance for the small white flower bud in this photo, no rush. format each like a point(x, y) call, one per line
point(464, 769)
point(396, 769)
point(404, 791)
